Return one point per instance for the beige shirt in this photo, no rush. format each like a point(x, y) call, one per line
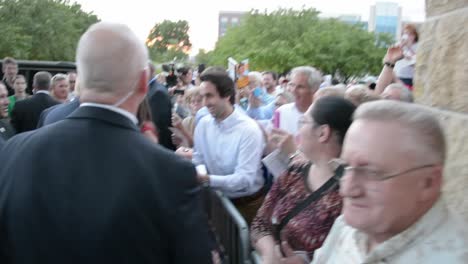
point(438, 237)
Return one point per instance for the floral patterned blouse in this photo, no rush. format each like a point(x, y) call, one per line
point(308, 229)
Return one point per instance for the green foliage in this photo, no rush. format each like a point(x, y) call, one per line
point(42, 29)
point(168, 40)
point(287, 38)
point(203, 57)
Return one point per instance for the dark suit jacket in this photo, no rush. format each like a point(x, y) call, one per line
point(161, 110)
point(26, 113)
point(98, 191)
point(6, 130)
point(2, 143)
point(57, 112)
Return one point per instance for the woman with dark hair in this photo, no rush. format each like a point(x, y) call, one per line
point(302, 205)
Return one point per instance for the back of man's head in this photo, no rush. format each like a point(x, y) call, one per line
point(110, 59)
point(42, 80)
point(399, 92)
point(221, 80)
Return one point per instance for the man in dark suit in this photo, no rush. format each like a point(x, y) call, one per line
point(58, 112)
point(161, 111)
point(120, 198)
point(26, 113)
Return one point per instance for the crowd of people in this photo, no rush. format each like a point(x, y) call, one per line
point(107, 164)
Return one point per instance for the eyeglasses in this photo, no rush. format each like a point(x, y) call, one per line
point(341, 168)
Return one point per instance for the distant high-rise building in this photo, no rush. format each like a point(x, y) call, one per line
point(353, 20)
point(227, 19)
point(385, 17)
point(350, 19)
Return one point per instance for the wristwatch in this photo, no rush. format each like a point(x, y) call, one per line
point(389, 64)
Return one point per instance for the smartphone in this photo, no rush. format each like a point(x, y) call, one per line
point(182, 92)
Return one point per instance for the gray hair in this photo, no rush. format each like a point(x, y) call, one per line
point(420, 120)
point(256, 77)
point(405, 94)
point(314, 77)
point(58, 77)
point(286, 95)
point(329, 91)
point(359, 94)
point(110, 59)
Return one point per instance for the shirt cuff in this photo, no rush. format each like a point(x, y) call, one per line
point(217, 181)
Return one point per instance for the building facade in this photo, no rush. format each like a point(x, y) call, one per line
point(385, 17)
point(227, 19)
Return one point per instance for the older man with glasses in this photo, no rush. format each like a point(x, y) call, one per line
point(393, 212)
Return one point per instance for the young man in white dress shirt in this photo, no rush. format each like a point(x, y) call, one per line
point(230, 145)
point(393, 211)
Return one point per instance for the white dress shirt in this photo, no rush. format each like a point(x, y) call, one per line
point(289, 118)
point(121, 111)
point(42, 91)
point(438, 237)
point(231, 150)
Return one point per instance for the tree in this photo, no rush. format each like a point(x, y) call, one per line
point(203, 57)
point(42, 29)
point(168, 40)
point(287, 38)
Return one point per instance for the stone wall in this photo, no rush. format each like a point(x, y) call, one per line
point(441, 81)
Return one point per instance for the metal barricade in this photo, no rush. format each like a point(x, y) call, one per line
point(230, 228)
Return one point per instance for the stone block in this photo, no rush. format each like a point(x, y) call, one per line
point(441, 78)
point(439, 7)
point(455, 188)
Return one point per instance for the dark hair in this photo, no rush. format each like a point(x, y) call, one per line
point(144, 111)
point(272, 73)
point(183, 70)
point(335, 112)
point(221, 80)
point(19, 76)
point(41, 80)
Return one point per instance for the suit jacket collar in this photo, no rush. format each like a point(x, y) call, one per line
point(104, 115)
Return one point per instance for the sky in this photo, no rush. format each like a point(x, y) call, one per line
point(202, 15)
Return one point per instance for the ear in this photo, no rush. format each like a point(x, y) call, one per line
point(325, 133)
point(143, 82)
point(431, 182)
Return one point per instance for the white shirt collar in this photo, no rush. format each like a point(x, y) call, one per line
point(121, 111)
point(42, 91)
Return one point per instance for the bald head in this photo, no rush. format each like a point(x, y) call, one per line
point(110, 59)
point(398, 92)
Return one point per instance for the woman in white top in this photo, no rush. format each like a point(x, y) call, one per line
point(404, 68)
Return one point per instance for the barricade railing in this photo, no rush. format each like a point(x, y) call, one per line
point(230, 228)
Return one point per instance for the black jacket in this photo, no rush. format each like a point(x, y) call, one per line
point(57, 112)
point(98, 191)
point(161, 110)
point(6, 130)
point(26, 113)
